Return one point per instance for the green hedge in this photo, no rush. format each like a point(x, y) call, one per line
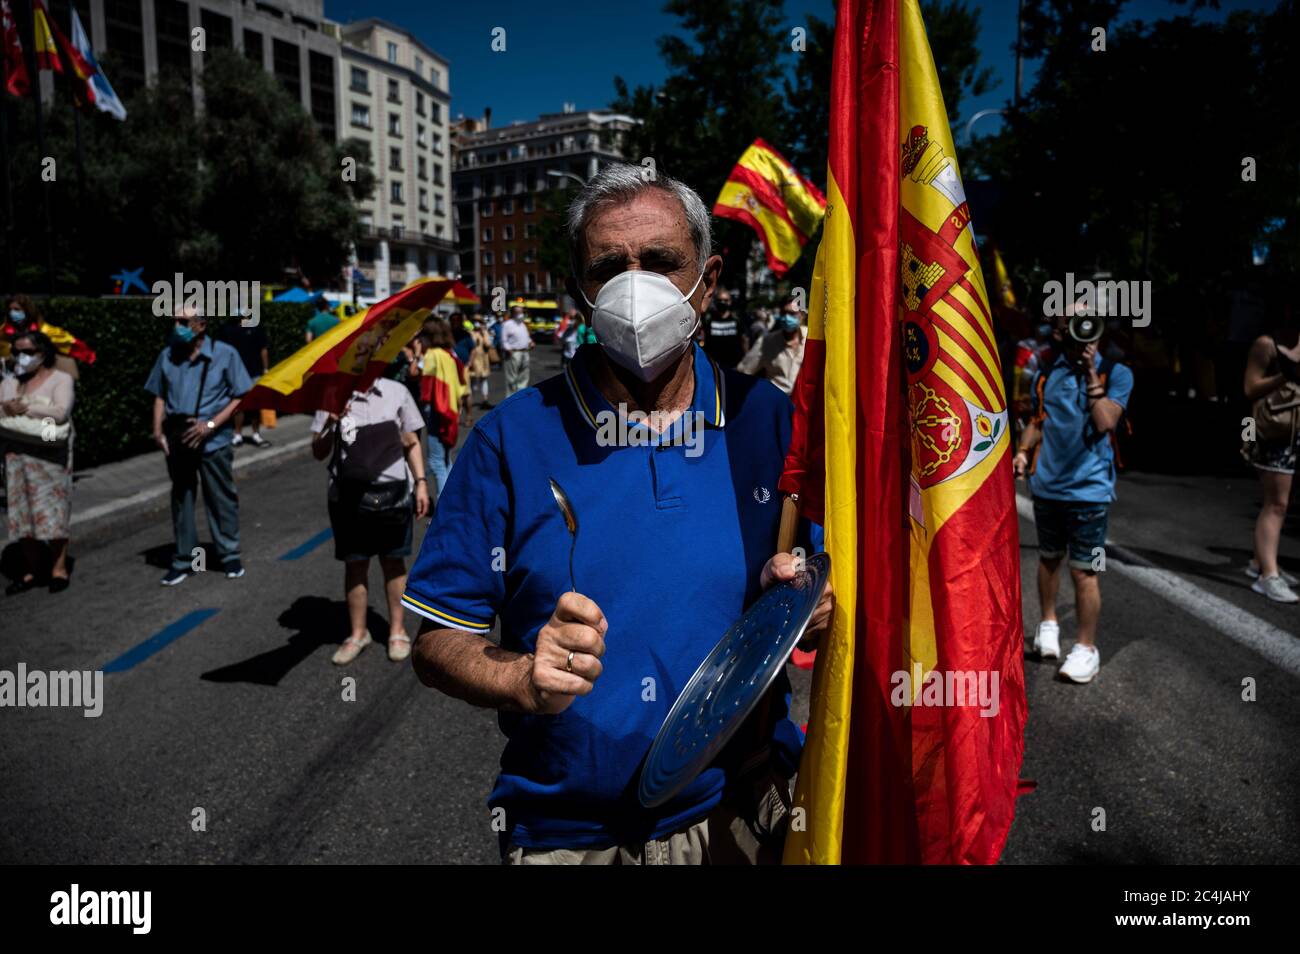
point(112, 411)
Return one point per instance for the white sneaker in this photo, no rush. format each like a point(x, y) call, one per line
point(1252, 571)
point(1047, 641)
point(1081, 665)
point(237, 440)
point(1275, 589)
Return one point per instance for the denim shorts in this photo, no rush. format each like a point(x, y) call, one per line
point(1074, 526)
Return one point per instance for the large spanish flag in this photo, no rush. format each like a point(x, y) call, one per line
point(323, 374)
point(901, 448)
point(770, 196)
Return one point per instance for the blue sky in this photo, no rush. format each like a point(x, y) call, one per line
point(561, 51)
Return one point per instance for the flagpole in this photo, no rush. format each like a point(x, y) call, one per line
point(9, 232)
point(40, 153)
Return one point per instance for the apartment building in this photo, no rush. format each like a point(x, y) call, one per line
point(500, 178)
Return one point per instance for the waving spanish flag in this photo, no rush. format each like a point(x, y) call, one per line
point(901, 448)
point(323, 374)
point(47, 53)
point(769, 195)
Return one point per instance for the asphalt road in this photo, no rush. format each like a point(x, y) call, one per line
point(243, 715)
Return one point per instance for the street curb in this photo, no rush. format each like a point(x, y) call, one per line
point(95, 521)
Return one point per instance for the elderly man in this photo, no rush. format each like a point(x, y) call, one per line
point(516, 343)
point(677, 522)
point(197, 383)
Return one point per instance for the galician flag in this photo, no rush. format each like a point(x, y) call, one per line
point(99, 91)
point(901, 448)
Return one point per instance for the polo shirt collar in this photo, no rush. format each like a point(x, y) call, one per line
point(709, 400)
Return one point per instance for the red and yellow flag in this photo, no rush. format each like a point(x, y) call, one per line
point(11, 53)
point(47, 54)
point(901, 449)
point(770, 196)
point(323, 374)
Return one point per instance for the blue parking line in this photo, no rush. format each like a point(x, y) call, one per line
point(302, 549)
point(159, 640)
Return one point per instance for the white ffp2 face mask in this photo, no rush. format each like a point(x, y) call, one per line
point(643, 321)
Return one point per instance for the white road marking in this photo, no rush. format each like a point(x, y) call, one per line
point(1278, 646)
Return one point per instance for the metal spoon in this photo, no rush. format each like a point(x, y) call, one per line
point(570, 521)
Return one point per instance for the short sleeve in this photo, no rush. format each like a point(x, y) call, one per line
point(458, 580)
point(318, 421)
point(408, 415)
point(1119, 386)
point(153, 384)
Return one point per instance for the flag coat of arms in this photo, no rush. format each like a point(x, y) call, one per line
point(770, 196)
point(901, 447)
point(323, 374)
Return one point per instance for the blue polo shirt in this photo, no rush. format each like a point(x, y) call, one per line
point(671, 542)
point(1075, 461)
point(176, 381)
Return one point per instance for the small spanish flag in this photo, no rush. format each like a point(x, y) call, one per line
point(47, 53)
point(768, 194)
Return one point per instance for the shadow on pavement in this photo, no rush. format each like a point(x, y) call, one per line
point(319, 622)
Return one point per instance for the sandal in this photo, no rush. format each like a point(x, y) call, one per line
point(351, 649)
point(399, 647)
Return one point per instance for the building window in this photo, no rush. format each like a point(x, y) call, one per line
point(437, 144)
point(435, 77)
point(485, 209)
point(530, 229)
point(508, 233)
point(394, 124)
point(365, 253)
point(285, 64)
point(424, 202)
point(487, 233)
point(395, 194)
point(361, 115)
point(438, 206)
point(360, 80)
point(220, 29)
point(419, 103)
point(395, 159)
point(421, 168)
point(394, 91)
point(530, 255)
point(528, 203)
point(438, 229)
point(487, 256)
point(437, 173)
point(252, 46)
point(530, 282)
point(172, 29)
point(419, 134)
point(507, 206)
point(435, 112)
point(419, 66)
point(320, 72)
point(123, 24)
point(424, 226)
point(392, 52)
point(508, 256)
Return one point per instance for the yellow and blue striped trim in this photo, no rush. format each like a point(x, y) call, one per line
point(438, 616)
point(719, 394)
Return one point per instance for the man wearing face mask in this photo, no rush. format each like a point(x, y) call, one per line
point(778, 354)
point(197, 383)
point(724, 339)
point(677, 518)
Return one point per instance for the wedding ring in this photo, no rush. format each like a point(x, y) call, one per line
point(568, 665)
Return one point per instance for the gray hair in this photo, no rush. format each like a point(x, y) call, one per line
point(619, 183)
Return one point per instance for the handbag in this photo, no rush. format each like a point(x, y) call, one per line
point(34, 430)
point(352, 488)
point(1277, 415)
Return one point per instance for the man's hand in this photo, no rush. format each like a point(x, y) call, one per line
point(196, 433)
point(783, 567)
point(421, 499)
point(161, 440)
point(577, 626)
point(1088, 361)
point(1020, 465)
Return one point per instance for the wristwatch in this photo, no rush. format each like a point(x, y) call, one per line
point(212, 425)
